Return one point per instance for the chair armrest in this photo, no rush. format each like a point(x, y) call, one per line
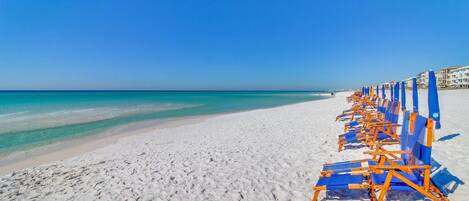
point(386, 152)
point(382, 124)
point(381, 143)
point(399, 167)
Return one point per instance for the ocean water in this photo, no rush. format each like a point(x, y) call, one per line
point(32, 118)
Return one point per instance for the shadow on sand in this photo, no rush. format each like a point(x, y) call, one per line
point(448, 137)
point(444, 179)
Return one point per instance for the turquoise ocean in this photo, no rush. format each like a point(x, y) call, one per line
point(32, 118)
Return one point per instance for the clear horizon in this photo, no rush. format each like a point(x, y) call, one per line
point(226, 45)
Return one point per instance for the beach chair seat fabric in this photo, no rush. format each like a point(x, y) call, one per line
point(338, 182)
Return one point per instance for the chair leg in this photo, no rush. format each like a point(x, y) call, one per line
point(387, 183)
point(316, 195)
point(340, 147)
point(372, 194)
point(420, 189)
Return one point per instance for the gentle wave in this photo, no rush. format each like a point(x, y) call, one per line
point(9, 115)
point(23, 121)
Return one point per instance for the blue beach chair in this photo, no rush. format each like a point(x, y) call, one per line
point(374, 130)
point(414, 175)
point(361, 165)
point(409, 172)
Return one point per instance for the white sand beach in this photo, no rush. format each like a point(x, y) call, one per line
point(265, 154)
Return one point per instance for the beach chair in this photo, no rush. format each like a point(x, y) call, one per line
point(358, 108)
point(409, 172)
point(382, 106)
point(360, 104)
point(415, 174)
point(363, 164)
point(374, 130)
point(369, 116)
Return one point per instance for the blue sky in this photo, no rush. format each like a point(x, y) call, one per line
point(226, 44)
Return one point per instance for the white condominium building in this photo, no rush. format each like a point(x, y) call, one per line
point(459, 77)
point(408, 83)
point(443, 76)
point(422, 79)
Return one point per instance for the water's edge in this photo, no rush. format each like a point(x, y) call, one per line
point(71, 147)
point(50, 123)
point(59, 150)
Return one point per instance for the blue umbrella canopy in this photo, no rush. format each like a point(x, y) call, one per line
point(396, 91)
point(392, 92)
point(433, 104)
point(403, 95)
point(415, 95)
point(377, 90)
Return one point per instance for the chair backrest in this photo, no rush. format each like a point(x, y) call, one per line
point(395, 112)
point(421, 150)
point(404, 136)
point(387, 113)
point(383, 105)
point(392, 114)
point(413, 141)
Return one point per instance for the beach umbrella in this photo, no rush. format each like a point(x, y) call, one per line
point(377, 90)
point(377, 95)
point(433, 105)
point(383, 91)
point(415, 95)
point(396, 91)
point(392, 92)
point(403, 96)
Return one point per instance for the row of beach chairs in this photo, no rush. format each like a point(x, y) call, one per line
point(372, 122)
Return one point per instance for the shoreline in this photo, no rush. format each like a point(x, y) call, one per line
point(67, 148)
